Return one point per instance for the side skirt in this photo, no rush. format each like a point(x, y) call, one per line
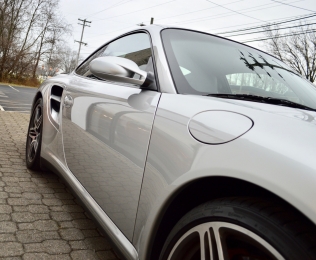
point(122, 245)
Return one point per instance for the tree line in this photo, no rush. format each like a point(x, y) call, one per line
point(32, 42)
point(296, 48)
point(32, 39)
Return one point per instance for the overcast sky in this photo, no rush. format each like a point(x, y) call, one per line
point(110, 18)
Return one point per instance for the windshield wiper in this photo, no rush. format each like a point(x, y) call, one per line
point(268, 100)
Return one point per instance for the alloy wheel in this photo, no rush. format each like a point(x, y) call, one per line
point(34, 133)
point(222, 241)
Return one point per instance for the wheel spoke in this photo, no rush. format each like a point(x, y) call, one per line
point(212, 245)
point(206, 245)
point(218, 243)
point(209, 245)
point(32, 133)
point(215, 241)
point(37, 118)
point(38, 122)
point(36, 115)
point(30, 151)
point(202, 245)
point(35, 144)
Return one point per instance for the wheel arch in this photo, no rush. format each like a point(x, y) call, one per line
point(196, 193)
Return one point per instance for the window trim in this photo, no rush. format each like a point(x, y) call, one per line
point(219, 37)
point(117, 38)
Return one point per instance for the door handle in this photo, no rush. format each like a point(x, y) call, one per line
point(68, 101)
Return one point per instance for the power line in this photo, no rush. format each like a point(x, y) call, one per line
point(278, 19)
point(126, 14)
point(269, 30)
point(235, 11)
point(81, 42)
point(293, 6)
point(140, 10)
point(298, 18)
point(112, 6)
point(178, 15)
point(164, 18)
point(251, 9)
point(111, 31)
point(259, 27)
point(194, 12)
point(209, 17)
point(136, 11)
point(280, 36)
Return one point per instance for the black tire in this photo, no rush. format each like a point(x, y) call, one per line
point(280, 226)
point(34, 137)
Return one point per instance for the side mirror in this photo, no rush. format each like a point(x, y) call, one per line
point(117, 69)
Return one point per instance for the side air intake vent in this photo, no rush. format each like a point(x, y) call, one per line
point(55, 100)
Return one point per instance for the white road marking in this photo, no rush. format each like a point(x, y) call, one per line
point(8, 101)
point(3, 95)
point(25, 111)
point(13, 103)
point(14, 107)
point(14, 88)
point(7, 104)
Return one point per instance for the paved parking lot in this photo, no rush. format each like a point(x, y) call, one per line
point(16, 99)
point(39, 217)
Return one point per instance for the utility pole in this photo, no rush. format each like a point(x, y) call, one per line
point(81, 42)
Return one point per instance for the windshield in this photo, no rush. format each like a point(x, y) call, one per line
point(203, 64)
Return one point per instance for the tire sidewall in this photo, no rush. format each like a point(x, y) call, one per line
point(259, 224)
point(35, 163)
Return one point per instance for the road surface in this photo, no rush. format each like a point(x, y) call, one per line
point(39, 217)
point(16, 99)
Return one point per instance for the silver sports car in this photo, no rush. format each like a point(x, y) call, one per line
point(184, 145)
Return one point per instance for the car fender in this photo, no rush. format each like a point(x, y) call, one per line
point(266, 156)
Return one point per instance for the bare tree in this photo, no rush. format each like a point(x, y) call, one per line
point(10, 14)
point(55, 28)
point(67, 59)
point(296, 48)
point(30, 31)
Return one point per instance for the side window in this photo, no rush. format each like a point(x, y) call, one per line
point(135, 47)
point(83, 70)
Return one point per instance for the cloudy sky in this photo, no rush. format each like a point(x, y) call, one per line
point(110, 18)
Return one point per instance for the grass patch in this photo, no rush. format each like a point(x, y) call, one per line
point(27, 82)
point(16, 85)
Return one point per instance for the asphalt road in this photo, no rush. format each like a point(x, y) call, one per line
point(16, 99)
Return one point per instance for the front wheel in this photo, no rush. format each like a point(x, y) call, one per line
point(34, 137)
point(241, 229)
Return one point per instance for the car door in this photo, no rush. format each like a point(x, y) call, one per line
point(106, 129)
